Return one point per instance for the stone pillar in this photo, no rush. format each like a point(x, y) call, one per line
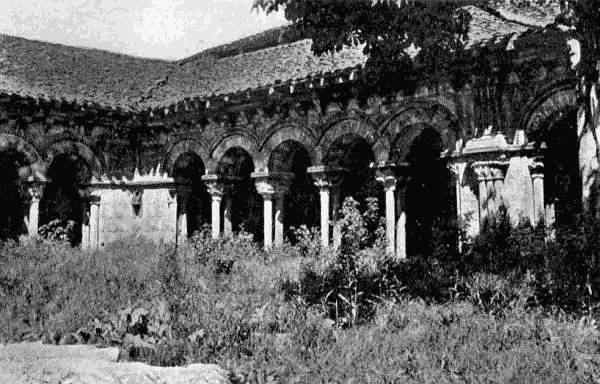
point(536, 169)
point(94, 236)
point(215, 190)
point(228, 214)
point(174, 209)
point(279, 218)
point(181, 205)
point(401, 222)
point(389, 186)
point(336, 196)
point(272, 186)
point(490, 177)
point(326, 179)
point(36, 191)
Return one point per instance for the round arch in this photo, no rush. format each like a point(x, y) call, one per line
point(181, 147)
point(244, 142)
point(14, 143)
point(537, 113)
point(348, 126)
point(75, 148)
point(406, 125)
point(280, 134)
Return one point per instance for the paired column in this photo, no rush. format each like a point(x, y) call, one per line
point(490, 178)
point(394, 177)
point(215, 189)
point(36, 190)
point(327, 180)
point(272, 187)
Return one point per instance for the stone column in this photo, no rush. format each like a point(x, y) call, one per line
point(215, 190)
point(279, 218)
point(336, 195)
point(401, 222)
point(326, 179)
point(94, 235)
point(536, 169)
point(490, 177)
point(36, 191)
point(272, 187)
point(174, 209)
point(228, 214)
point(389, 186)
point(181, 205)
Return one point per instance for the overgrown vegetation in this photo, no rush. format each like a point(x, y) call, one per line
point(514, 306)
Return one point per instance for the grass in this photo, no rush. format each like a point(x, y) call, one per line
point(229, 302)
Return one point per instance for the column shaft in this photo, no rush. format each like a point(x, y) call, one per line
point(335, 208)
point(483, 206)
point(279, 219)
point(267, 221)
point(401, 226)
point(33, 217)
point(390, 218)
point(228, 216)
point(324, 196)
point(216, 215)
point(95, 225)
point(538, 199)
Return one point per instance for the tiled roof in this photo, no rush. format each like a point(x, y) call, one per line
point(39, 69)
point(44, 70)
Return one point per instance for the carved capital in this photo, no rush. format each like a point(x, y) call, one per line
point(536, 168)
point(490, 170)
point(214, 186)
point(392, 174)
point(36, 190)
point(326, 178)
point(272, 183)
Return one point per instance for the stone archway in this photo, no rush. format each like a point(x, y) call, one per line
point(291, 159)
point(63, 203)
point(193, 200)
point(428, 195)
point(354, 155)
point(242, 205)
point(16, 158)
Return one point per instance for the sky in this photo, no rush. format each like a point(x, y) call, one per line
point(166, 29)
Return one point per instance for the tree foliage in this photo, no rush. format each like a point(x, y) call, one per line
point(417, 40)
point(398, 37)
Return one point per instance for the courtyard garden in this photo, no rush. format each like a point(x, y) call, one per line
point(516, 305)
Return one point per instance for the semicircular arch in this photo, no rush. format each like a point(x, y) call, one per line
point(347, 126)
point(181, 147)
point(76, 148)
point(558, 100)
point(15, 143)
point(283, 133)
point(247, 143)
point(400, 130)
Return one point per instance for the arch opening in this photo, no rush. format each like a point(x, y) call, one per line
point(63, 203)
point(430, 195)
point(354, 154)
point(193, 199)
point(301, 199)
point(562, 180)
point(242, 206)
point(13, 195)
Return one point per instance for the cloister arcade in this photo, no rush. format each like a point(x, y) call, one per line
point(414, 162)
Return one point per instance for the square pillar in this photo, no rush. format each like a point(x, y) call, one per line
point(215, 190)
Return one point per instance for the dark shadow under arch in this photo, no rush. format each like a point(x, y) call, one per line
point(193, 199)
